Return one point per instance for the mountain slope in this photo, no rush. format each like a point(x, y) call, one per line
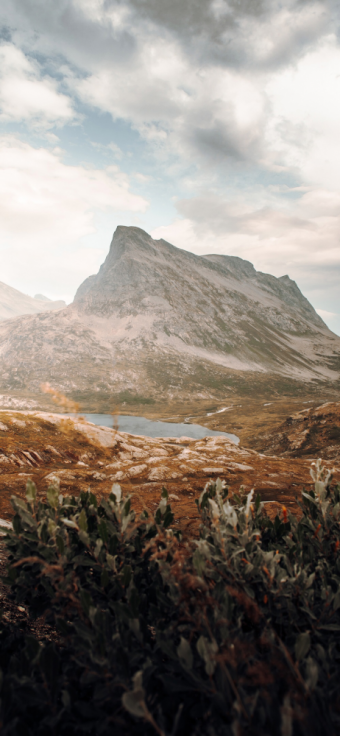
point(313, 432)
point(216, 307)
point(157, 318)
point(14, 303)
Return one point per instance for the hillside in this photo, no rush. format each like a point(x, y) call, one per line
point(14, 303)
point(44, 447)
point(157, 320)
point(168, 591)
point(313, 432)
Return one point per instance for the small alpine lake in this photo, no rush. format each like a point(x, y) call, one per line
point(149, 428)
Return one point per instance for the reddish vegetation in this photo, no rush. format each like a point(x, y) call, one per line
point(308, 433)
point(40, 446)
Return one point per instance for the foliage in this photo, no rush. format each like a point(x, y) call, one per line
point(236, 632)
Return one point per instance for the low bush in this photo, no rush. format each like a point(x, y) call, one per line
point(334, 433)
point(235, 632)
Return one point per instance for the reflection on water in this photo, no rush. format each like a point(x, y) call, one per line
point(148, 428)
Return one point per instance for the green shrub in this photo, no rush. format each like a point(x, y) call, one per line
point(235, 632)
point(128, 398)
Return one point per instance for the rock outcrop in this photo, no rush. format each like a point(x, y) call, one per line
point(313, 432)
point(77, 454)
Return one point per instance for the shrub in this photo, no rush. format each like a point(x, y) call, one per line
point(334, 433)
point(235, 632)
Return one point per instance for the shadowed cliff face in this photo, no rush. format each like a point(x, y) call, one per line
point(155, 315)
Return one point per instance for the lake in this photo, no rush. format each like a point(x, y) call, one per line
point(149, 428)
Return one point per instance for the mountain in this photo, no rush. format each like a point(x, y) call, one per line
point(45, 298)
point(158, 320)
point(14, 303)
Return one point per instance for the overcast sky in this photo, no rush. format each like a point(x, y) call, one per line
point(214, 124)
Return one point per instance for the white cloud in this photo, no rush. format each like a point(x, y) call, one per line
point(204, 115)
point(296, 237)
point(332, 320)
point(47, 207)
point(25, 95)
point(145, 88)
point(227, 95)
point(279, 117)
point(41, 197)
point(303, 128)
point(242, 90)
point(326, 315)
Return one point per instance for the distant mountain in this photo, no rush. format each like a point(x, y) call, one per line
point(44, 298)
point(14, 303)
point(160, 320)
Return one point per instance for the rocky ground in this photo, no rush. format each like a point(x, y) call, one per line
point(308, 432)
point(50, 447)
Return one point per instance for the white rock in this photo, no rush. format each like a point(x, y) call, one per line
point(125, 457)
point(160, 473)
point(18, 422)
point(159, 452)
point(60, 475)
point(53, 449)
point(211, 471)
point(136, 452)
point(118, 476)
point(239, 466)
point(188, 455)
point(136, 470)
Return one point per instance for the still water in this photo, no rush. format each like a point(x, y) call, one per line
point(148, 428)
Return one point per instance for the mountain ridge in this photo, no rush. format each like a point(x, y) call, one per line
point(13, 303)
point(153, 279)
point(157, 319)
point(236, 267)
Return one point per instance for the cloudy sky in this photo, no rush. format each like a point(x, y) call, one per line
point(214, 124)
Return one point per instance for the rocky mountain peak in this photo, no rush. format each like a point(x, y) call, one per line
point(158, 319)
point(42, 298)
point(138, 268)
point(135, 267)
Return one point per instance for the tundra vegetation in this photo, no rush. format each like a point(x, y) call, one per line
point(233, 632)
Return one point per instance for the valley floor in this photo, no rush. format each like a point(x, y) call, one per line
point(49, 448)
